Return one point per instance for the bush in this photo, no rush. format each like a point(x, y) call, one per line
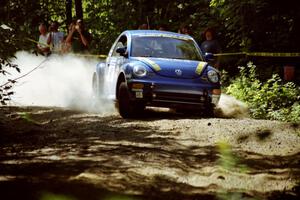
point(267, 100)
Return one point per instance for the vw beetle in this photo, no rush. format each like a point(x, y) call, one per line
point(157, 69)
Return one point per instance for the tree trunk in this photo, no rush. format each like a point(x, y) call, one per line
point(68, 12)
point(78, 8)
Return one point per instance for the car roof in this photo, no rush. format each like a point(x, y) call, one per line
point(156, 33)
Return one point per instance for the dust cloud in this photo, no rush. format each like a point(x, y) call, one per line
point(60, 81)
point(230, 107)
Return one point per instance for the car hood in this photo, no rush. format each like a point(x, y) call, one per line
point(175, 68)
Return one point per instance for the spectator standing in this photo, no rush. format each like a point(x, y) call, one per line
point(42, 46)
point(66, 46)
point(211, 45)
point(55, 38)
point(184, 29)
point(78, 38)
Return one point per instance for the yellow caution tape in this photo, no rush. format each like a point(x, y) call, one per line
point(200, 67)
point(88, 55)
point(260, 54)
point(31, 40)
point(230, 54)
point(155, 66)
point(268, 54)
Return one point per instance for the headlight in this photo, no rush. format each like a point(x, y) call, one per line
point(213, 76)
point(139, 71)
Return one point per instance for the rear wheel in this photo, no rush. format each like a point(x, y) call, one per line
point(95, 85)
point(97, 92)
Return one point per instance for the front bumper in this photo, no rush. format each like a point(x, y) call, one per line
point(169, 94)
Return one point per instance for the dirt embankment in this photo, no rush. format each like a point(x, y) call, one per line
point(64, 154)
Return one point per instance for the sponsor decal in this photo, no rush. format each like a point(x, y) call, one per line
point(200, 67)
point(178, 72)
point(154, 65)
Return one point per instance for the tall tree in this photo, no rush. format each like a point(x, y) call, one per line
point(78, 9)
point(68, 11)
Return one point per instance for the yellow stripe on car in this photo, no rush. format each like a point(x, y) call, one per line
point(200, 67)
point(155, 66)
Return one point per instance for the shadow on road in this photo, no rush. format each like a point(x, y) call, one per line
point(89, 156)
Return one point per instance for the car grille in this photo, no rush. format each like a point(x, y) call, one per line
point(180, 98)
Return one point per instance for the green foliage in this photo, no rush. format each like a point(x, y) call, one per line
point(107, 19)
point(267, 100)
point(51, 196)
point(8, 46)
point(246, 23)
point(241, 24)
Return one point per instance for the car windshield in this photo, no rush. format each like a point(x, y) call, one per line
point(164, 47)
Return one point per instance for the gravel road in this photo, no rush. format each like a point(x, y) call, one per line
point(55, 153)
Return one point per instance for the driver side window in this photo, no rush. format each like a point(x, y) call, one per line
point(121, 43)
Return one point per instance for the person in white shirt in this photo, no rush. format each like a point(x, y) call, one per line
point(42, 45)
point(55, 38)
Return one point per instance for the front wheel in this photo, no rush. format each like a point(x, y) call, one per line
point(127, 107)
point(209, 112)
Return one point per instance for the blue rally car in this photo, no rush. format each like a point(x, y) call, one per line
point(157, 69)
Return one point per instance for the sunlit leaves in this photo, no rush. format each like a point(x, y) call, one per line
point(272, 99)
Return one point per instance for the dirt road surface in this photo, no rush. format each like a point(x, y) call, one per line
point(54, 153)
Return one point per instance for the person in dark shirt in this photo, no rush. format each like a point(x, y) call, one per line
point(78, 38)
point(211, 45)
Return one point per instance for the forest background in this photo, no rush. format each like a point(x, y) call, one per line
point(241, 25)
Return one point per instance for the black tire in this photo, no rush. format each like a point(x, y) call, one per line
point(209, 112)
point(126, 109)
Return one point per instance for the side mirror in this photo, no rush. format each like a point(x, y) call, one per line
point(122, 51)
point(209, 57)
